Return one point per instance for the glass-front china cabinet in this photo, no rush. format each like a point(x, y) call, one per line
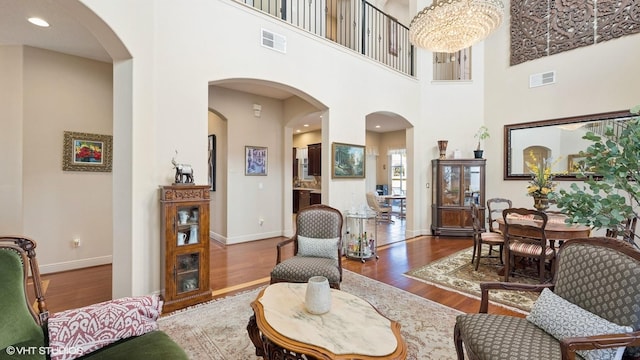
point(457, 183)
point(185, 245)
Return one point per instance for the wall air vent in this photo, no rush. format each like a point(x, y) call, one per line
point(274, 41)
point(541, 79)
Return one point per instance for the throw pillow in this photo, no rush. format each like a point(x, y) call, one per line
point(77, 332)
point(324, 248)
point(562, 319)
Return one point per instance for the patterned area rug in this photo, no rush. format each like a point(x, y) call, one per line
point(217, 330)
point(456, 273)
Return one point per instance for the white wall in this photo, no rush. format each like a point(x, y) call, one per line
point(11, 151)
point(65, 93)
point(593, 79)
point(304, 139)
point(218, 205)
point(251, 198)
point(161, 102)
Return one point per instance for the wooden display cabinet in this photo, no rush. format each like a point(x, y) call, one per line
point(185, 245)
point(456, 184)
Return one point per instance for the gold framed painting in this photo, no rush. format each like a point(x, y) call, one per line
point(575, 165)
point(87, 152)
point(348, 161)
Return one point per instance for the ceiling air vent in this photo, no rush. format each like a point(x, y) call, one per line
point(541, 79)
point(274, 41)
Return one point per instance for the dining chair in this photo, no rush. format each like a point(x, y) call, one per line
point(495, 206)
point(481, 237)
point(627, 232)
point(383, 212)
point(525, 237)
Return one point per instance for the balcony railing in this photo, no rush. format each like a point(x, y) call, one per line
point(355, 24)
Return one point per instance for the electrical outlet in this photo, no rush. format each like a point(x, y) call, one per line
point(260, 221)
point(76, 242)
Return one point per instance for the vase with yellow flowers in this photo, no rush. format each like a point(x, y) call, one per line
point(541, 183)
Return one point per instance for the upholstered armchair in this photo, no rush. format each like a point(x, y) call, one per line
point(26, 333)
point(593, 303)
point(317, 248)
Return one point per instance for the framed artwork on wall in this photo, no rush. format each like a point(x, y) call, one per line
point(255, 160)
point(212, 162)
point(87, 152)
point(348, 161)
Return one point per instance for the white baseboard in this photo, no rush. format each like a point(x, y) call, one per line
point(75, 264)
point(245, 238)
point(217, 237)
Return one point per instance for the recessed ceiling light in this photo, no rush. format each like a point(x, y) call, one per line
point(377, 126)
point(306, 125)
point(39, 22)
point(298, 130)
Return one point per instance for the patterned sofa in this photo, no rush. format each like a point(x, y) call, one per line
point(119, 329)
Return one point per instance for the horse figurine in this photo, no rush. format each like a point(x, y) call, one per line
point(182, 171)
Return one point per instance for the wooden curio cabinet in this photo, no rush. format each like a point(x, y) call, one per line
point(457, 183)
point(185, 245)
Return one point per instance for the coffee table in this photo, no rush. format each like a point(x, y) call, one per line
point(281, 328)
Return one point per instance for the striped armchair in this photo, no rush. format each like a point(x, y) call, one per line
point(317, 248)
point(598, 276)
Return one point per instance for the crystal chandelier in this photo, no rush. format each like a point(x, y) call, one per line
point(452, 25)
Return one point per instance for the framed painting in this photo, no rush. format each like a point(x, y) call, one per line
point(255, 160)
point(87, 152)
point(575, 165)
point(212, 162)
point(348, 161)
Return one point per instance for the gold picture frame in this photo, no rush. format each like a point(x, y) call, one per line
point(575, 165)
point(348, 161)
point(87, 152)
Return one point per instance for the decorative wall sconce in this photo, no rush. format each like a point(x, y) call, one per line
point(257, 109)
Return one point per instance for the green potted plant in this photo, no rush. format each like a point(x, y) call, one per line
point(481, 135)
point(611, 196)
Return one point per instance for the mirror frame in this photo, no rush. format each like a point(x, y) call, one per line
point(508, 175)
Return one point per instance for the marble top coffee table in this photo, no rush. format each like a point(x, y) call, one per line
point(353, 328)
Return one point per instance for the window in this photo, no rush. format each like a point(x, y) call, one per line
point(398, 171)
point(452, 66)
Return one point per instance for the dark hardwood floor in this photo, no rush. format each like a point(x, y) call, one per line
point(240, 267)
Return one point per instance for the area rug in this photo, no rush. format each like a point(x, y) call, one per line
point(456, 273)
point(218, 329)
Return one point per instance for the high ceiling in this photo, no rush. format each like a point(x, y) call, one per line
point(66, 35)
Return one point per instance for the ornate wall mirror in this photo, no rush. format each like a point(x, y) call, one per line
point(559, 139)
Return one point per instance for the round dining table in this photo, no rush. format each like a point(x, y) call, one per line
point(556, 229)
